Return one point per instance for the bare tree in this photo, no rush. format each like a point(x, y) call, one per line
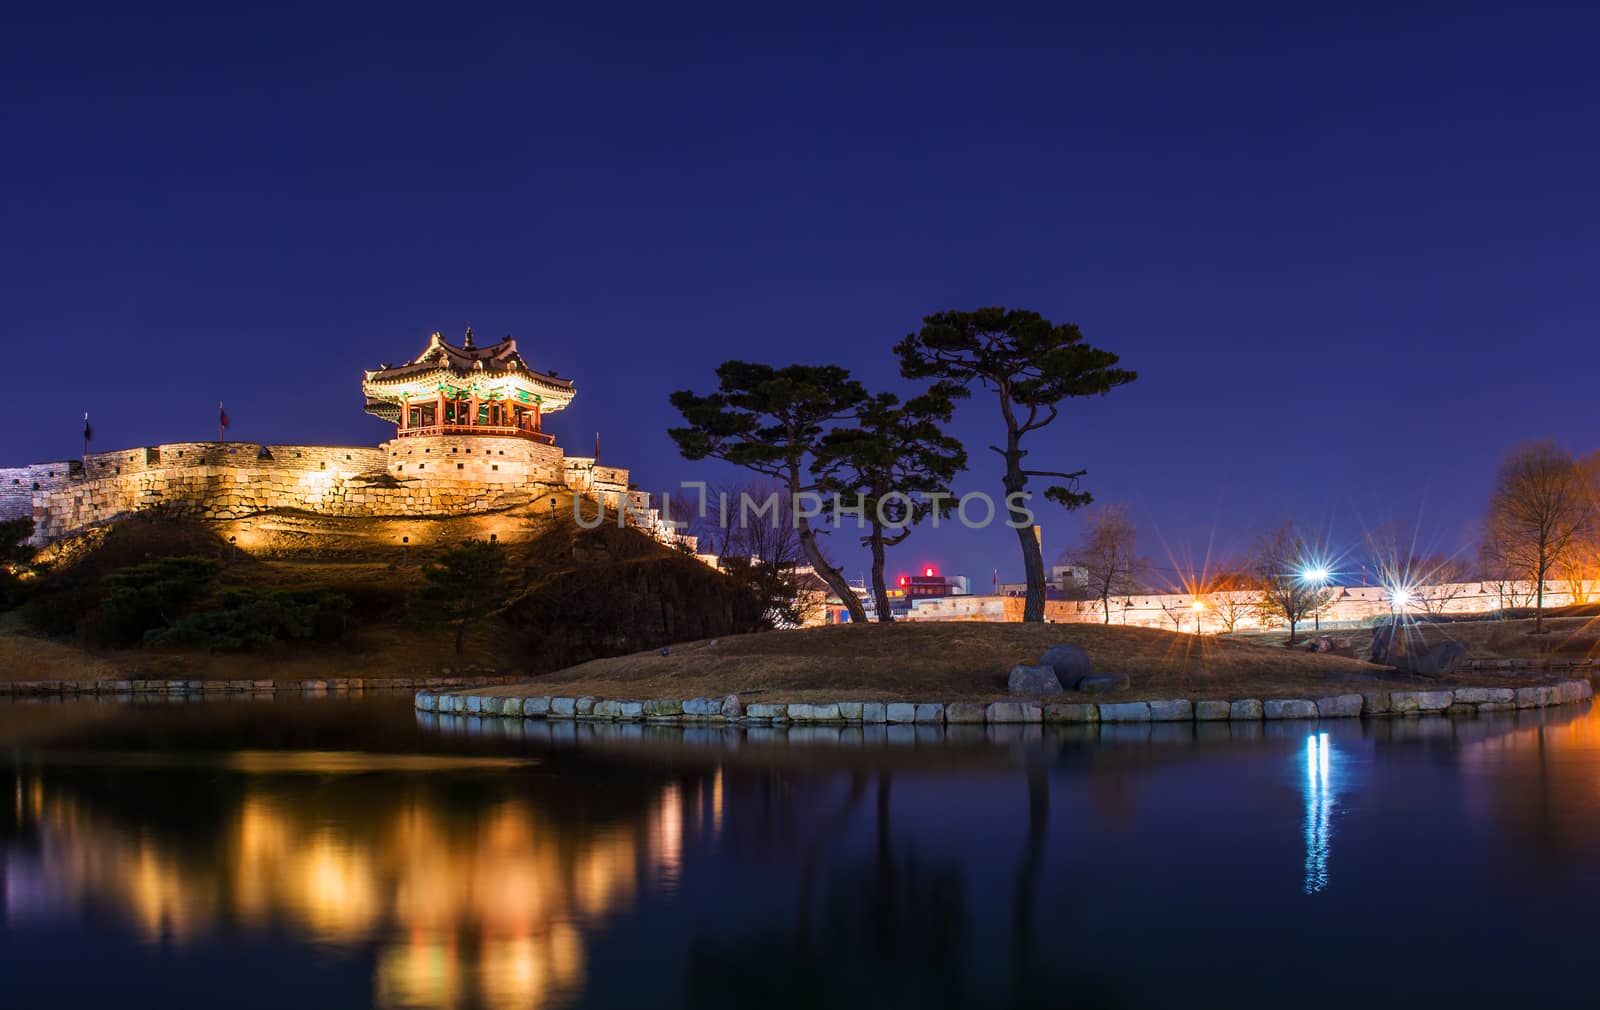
point(1438, 580)
point(1107, 555)
point(1284, 591)
point(1580, 566)
point(749, 527)
point(1232, 595)
point(1543, 503)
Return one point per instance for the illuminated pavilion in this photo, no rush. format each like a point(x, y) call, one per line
point(466, 390)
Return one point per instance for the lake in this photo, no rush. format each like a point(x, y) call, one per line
point(351, 852)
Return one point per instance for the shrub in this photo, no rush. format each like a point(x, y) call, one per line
point(15, 558)
point(142, 598)
point(249, 619)
point(463, 585)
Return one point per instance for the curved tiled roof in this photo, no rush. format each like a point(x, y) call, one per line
point(500, 358)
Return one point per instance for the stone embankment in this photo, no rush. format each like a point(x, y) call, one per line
point(137, 689)
point(1458, 702)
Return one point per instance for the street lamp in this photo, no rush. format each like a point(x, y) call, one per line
point(1317, 576)
point(1198, 608)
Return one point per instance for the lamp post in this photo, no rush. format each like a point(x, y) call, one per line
point(1399, 598)
point(1317, 577)
point(1198, 608)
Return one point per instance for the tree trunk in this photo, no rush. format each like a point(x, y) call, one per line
point(830, 574)
point(1105, 605)
point(1033, 568)
point(461, 633)
point(1538, 606)
point(1292, 625)
point(880, 592)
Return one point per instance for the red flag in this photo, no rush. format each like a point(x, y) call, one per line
point(222, 422)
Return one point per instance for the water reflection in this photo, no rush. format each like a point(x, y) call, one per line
point(1319, 810)
point(1111, 866)
point(476, 899)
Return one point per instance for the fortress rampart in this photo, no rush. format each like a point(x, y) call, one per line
point(417, 476)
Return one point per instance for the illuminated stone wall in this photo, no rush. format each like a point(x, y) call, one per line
point(1354, 605)
point(416, 477)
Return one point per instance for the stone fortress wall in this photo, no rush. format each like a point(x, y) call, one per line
point(412, 477)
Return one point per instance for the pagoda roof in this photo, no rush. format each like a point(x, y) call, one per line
point(468, 361)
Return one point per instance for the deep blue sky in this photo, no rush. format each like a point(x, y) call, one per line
point(1352, 256)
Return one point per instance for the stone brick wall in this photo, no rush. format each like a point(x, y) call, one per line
point(405, 477)
point(16, 492)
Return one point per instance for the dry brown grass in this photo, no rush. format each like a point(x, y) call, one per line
point(391, 651)
point(961, 661)
point(1564, 638)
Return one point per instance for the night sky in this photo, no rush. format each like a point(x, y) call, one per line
point(1353, 257)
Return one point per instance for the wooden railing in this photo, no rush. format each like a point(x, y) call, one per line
point(504, 431)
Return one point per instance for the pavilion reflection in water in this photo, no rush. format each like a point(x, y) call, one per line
point(466, 904)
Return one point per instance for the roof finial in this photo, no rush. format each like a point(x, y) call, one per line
point(468, 344)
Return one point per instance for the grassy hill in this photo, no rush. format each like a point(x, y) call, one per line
point(574, 595)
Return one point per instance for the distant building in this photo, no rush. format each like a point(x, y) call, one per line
point(1064, 582)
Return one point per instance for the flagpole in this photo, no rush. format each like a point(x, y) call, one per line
point(222, 425)
point(86, 435)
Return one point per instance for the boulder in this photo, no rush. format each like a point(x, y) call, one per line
point(1071, 713)
point(874, 712)
point(930, 713)
point(1101, 683)
point(850, 711)
point(732, 707)
point(1247, 709)
point(1439, 661)
point(1034, 681)
point(1340, 706)
point(702, 707)
point(1435, 701)
point(536, 707)
point(1379, 652)
point(1070, 663)
point(800, 712)
point(1012, 711)
point(1289, 708)
point(961, 712)
point(1175, 710)
point(1128, 711)
point(1402, 701)
point(1211, 711)
point(631, 711)
point(901, 711)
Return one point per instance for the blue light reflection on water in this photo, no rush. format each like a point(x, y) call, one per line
point(1319, 810)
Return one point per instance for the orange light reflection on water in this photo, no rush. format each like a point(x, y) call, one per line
point(477, 906)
